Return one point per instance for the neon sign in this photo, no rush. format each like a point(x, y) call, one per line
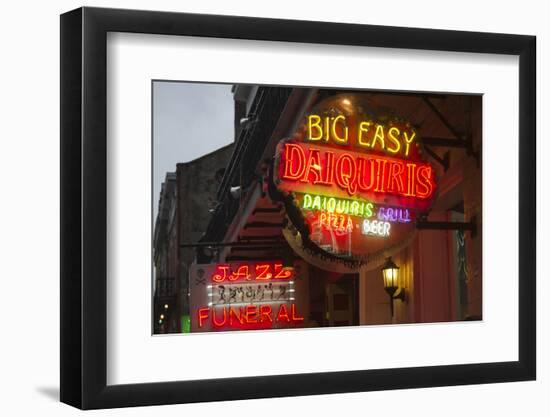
point(395, 215)
point(243, 296)
point(368, 135)
point(357, 175)
point(337, 205)
point(246, 316)
point(261, 271)
point(335, 172)
point(336, 222)
point(220, 294)
point(376, 228)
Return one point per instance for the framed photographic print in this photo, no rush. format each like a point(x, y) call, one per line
point(258, 208)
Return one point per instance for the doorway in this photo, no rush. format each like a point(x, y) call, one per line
point(342, 301)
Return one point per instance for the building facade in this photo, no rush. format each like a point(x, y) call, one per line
point(439, 258)
point(186, 200)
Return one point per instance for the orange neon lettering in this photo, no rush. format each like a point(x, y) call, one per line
point(203, 315)
point(294, 162)
point(354, 173)
point(282, 273)
point(251, 314)
point(334, 221)
point(283, 314)
point(312, 168)
point(265, 312)
point(346, 171)
point(242, 272)
point(365, 178)
point(295, 317)
point(380, 176)
point(329, 168)
point(424, 180)
point(349, 227)
point(221, 273)
point(396, 179)
point(262, 271)
point(239, 317)
point(411, 183)
point(322, 219)
point(218, 323)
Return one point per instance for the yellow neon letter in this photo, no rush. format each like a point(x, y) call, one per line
point(408, 142)
point(363, 128)
point(314, 121)
point(338, 139)
point(379, 136)
point(307, 201)
point(393, 134)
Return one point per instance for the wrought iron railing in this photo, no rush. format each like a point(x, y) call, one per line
point(264, 114)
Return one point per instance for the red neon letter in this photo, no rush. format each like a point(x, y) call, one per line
point(346, 173)
point(381, 176)
point(239, 317)
point(329, 168)
point(323, 220)
point(396, 180)
point(263, 273)
point(242, 272)
point(216, 323)
point(282, 273)
point(283, 314)
point(365, 174)
point(251, 314)
point(424, 179)
point(294, 316)
point(313, 167)
point(411, 180)
point(265, 311)
point(294, 157)
point(221, 273)
point(203, 315)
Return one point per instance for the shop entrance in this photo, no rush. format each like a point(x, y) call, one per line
point(341, 303)
point(334, 298)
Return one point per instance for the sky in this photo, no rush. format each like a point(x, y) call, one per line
point(189, 120)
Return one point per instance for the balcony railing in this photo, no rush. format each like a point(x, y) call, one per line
point(265, 112)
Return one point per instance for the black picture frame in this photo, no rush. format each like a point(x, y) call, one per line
point(84, 207)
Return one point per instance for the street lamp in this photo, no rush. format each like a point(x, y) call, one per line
point(390, 275)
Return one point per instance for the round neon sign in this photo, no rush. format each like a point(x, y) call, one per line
point(356, 175)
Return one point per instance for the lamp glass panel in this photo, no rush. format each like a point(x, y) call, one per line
point(390, 277)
